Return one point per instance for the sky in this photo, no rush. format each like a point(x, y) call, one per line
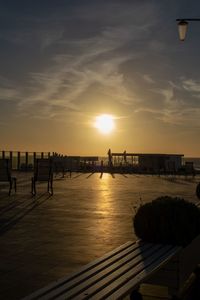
point(63, 63)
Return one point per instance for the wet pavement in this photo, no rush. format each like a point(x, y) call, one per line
point(44, 238)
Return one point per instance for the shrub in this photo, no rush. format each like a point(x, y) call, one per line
point(167, 220)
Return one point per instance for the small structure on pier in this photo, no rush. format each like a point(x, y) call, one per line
point(146, 162)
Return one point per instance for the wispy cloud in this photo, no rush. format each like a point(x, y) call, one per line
point(88, 61)
point(148, 78)
point(10, 94)
point(79, 59)
point(191, 85)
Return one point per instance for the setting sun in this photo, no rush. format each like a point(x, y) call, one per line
point(105, 123)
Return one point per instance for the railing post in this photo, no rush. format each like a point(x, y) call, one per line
point(18, 160)
point(26, 161)
point(11, 155)
point(34, 159)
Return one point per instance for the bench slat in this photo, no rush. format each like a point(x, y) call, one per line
point(124, 286)
point(95, 274)
point(116, 270)
point(129, 246)
point(111, 272)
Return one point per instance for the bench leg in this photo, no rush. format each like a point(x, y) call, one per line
point(15, 184)
point(136, 295)
point(50, 187)
point(10, 188)
point(33, 189)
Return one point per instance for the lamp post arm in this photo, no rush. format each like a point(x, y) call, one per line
point(178, 20)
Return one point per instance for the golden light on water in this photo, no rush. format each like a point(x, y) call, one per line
point(104, 123)
point(104, 204)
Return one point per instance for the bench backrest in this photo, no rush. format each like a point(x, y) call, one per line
point(43, 170)
point(5, 170)
point(178, 270)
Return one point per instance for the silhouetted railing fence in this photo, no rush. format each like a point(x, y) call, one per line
point(23, 161)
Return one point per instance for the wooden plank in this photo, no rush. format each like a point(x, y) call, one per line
point(171, 266)
point(107, 271)
point(198, 204)
point(165, 278)
point(184, 263)
point(153, 292)
point(129, 246)
point(98, 275)
point(109, 280)
point(168, 275)
point(189, 259)
point(126, 285)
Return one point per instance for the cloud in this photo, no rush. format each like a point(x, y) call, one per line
point(191, 85)
point(88, 61)
point(10, 94)
point(167, 94)
point(89, 47)
point(170, 105)
point(148, 78)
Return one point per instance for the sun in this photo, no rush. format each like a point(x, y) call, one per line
point(105, 123)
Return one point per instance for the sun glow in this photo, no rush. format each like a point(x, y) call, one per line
point(105, 124)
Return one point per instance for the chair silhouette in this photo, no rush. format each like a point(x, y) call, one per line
point(43, 171)
point(5, 174)
point(189, 168)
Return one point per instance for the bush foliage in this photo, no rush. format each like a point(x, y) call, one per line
point(167, 220)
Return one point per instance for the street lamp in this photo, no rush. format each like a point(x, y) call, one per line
point(182, 27)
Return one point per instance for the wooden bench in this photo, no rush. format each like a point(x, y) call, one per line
point(121, 271)
point(5, 174)
point(112, 276)
point(43, 171)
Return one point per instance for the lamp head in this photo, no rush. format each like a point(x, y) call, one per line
point(182, 29)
